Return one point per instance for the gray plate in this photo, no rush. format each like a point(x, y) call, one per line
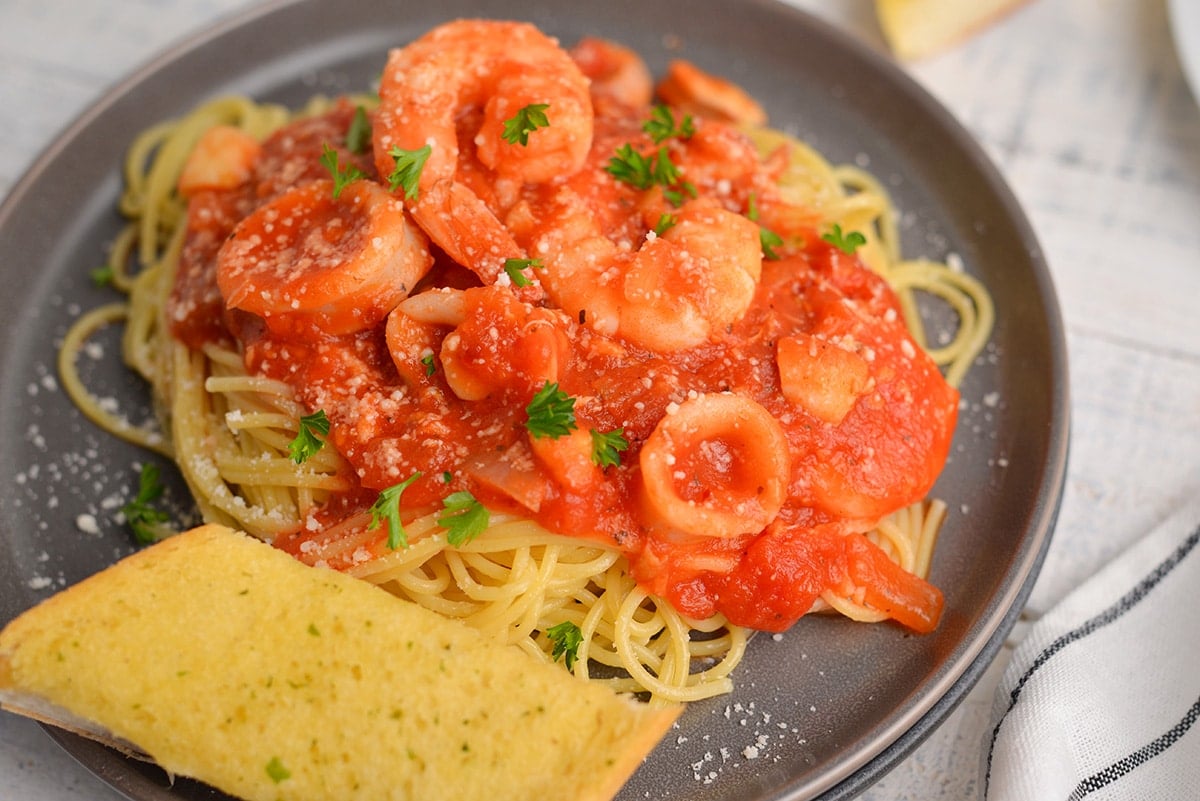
point(822, 711)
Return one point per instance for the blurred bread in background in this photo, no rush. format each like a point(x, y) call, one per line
point(915, 29)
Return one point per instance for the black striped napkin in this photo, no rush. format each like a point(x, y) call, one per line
point(1101, 699)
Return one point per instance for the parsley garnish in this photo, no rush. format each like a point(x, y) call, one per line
point(430, 367)
point(277, 771)
point(407, 174)
point(662, 125)
point(675, 196)
point(847, 242)
point(567, 638)
point(516, 269)
point(527, 120)
point(768, 239)
point(306, 442)
point(631, 167)
point(359, 133)
point(387, 506)
point(465, 518)
point(607, 447)
point(341, 175)
point(145, 520)
point(642, 172)
point(551, 413)
point(665, 171)
point(752, 208)
point(665, 223)
point(103, 275)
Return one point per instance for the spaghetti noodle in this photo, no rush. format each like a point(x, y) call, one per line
point(229, 426)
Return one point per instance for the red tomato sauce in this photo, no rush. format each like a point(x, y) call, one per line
point(885, 454)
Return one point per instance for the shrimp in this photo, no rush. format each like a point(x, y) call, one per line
point(617, 74)
point(691, 89)
point(415, 330)
point(680, 289)
point(308, 259)
point(223, 158)
point(479, 74)
point(486, 340)
point(504, 345)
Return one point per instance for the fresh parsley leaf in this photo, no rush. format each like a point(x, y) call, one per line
point(631, 167)
point(527, 120)
point(146, 520)
point(567, 638)
point(665, 223)
point(464, 518)
point(387, 507)
point(407, 174)
point(642, 172)
point(607, 447)
point(277, 771)
point(358, 136)
point(430, 366)
point(665, 172)
point(342, 176)
point(847, 242)
point(675, 196)
point(306, 443)
point(752, 208)
point(662, 126)
point(551, 413)
point(103, 275)
point(769, 241)
point(516, 270)
point(766, 237)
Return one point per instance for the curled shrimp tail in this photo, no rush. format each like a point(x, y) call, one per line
point(492, 77)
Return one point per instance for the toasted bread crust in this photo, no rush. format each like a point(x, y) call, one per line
point(230, 662)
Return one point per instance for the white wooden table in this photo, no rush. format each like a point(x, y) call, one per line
point(1081, 103)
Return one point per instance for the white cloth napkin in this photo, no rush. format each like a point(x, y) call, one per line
point(1102, 699)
